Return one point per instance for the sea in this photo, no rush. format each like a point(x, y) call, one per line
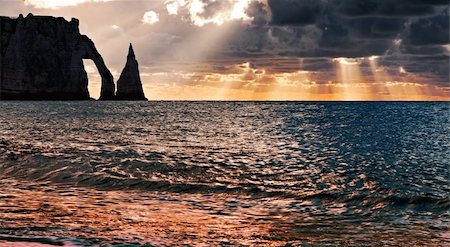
point(163, 173)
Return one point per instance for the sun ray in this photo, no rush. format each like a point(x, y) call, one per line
point(349, 75)
point(379, 88)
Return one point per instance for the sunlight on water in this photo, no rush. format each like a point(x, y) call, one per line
point(224, 173)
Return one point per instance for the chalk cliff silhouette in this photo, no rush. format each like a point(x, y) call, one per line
point(129, 86)
point(41, 58)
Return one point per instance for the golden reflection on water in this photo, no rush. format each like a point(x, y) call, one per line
point(42, 209)
point(84, 213)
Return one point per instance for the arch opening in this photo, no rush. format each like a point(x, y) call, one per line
point(94, 79)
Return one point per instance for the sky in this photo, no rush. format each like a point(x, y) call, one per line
point(267, 49)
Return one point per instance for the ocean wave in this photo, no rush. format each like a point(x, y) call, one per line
point(33, 163)
point(378, 169)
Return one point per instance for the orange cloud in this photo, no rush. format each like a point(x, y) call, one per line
point(244, 82)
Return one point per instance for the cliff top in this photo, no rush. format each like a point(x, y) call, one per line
point(40, 17)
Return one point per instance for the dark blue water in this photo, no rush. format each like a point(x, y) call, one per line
point(320, 173)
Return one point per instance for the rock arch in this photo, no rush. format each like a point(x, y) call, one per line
point(41, 58)
point(90, 52)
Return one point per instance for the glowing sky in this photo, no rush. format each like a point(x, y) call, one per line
point(267, 49)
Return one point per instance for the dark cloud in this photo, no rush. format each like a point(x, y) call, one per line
point(376, 27)
point(386, 7)
point(367, 24)
point(423, 50)
point(288, 36)
point(429, 31)
point(317, 64)
point(294, 12)
point(408, 33)
point(435, 68)
point(427, 2)
point(304, 12)
point(258, 12)
point(334, 34)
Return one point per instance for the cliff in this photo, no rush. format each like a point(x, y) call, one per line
point(129, 85)
point(41, 58)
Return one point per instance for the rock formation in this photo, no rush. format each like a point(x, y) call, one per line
point(41, 58)
point(129, 86)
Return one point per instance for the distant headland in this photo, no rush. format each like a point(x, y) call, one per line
point(41, 58)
